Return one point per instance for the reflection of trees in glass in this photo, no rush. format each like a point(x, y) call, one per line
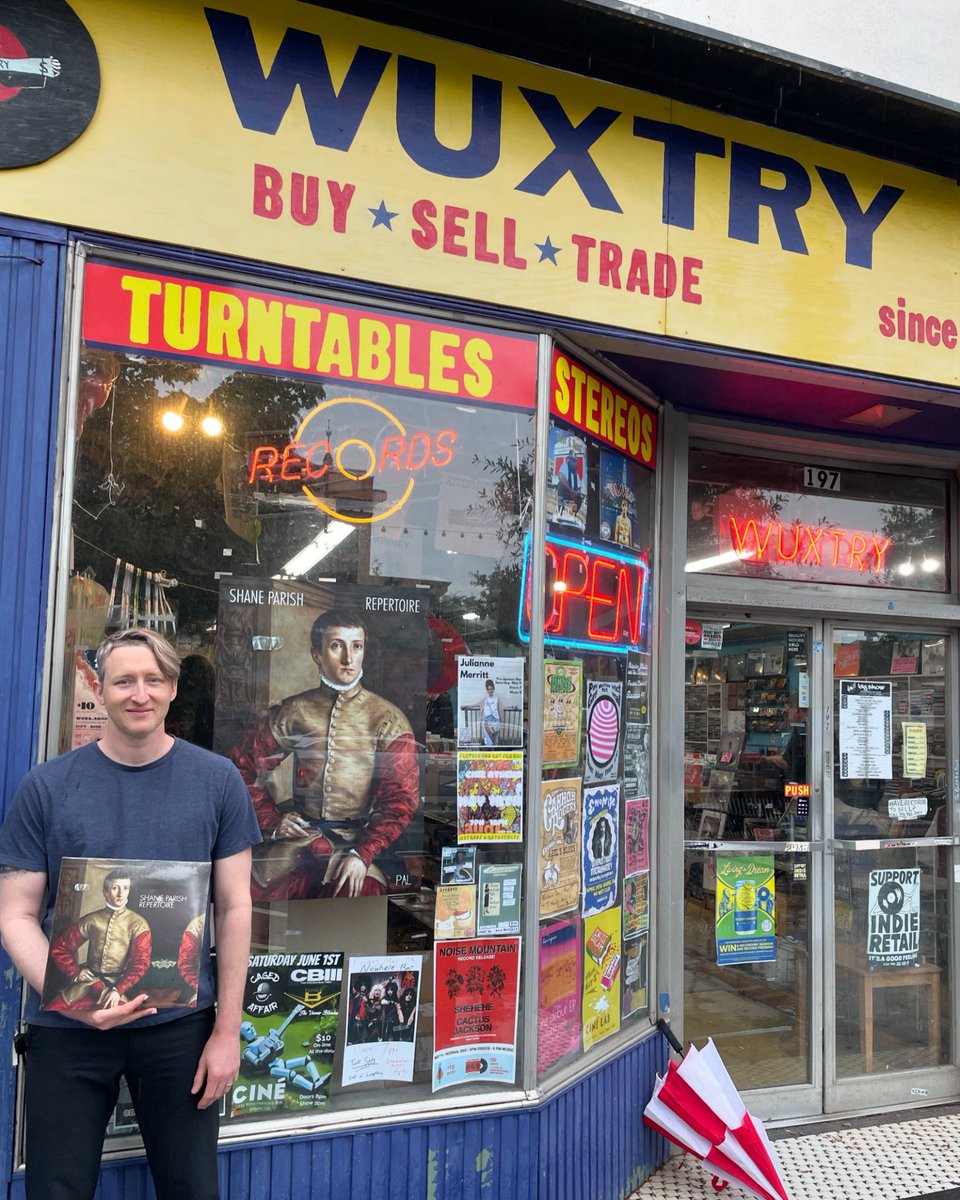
point(916, 533)
point(174, 502)
point(505, 499)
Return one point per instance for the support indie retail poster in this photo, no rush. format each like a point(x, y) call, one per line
point(382, 1019)
point(562, 712)
point(490, 796)
point(321, 702)
point(601, 976)
point(291, 1010)
point(603, 731)
point(558, 1012)
point(601, 841)
point(746, 919)
point(893, 916)
point(476, 988)
point(560, 838)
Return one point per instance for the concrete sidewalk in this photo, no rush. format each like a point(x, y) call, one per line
point(873, 1158)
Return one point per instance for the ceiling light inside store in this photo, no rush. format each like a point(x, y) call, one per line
point(879, 416)
point(718, 560)
point(312, 553)
point(471, 616)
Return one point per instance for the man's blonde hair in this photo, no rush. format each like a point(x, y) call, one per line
point(167, 658)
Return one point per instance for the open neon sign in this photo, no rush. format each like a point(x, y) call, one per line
point(596, 598)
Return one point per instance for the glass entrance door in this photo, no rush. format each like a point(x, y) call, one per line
point(753, 856)
point(892, 877)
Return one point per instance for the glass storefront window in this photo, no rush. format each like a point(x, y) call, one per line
point(596, 793)
point(325, 509)
point(769, 519)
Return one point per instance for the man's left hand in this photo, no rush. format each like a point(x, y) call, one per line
point(217, 1069)
point(350, 873)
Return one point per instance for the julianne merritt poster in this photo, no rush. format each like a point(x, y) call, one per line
point(321, 703)
point(291, 1009)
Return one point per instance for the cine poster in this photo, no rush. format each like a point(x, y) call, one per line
point(562, 712)
point(323, 686)
point(490, 796)
point(601, 976)
point(558, 1009)
point(560, 841)
point(384, 1004)
point(746, 917)
point(288, 1038)
point(154, 911)
point(601, 841)
point(476, 990)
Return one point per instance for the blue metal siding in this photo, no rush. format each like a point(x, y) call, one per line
point(587, 1143)
point(30, 322)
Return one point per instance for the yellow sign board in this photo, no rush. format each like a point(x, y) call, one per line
point(294, 135)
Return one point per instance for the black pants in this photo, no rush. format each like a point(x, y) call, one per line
point(72, 1084)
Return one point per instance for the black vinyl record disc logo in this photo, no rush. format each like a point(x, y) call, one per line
point(49, 80)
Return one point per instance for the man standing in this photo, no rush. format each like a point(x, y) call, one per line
point(356, 776)
point(118, 951)
point(136, 794)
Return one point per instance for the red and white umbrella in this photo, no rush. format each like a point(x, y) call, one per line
point(697, 1106)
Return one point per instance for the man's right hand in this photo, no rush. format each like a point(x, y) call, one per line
point(110, 1018)
point(292, 825)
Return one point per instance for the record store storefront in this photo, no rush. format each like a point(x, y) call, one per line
point(566, 702)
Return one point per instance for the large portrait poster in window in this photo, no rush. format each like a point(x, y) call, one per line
point(321, 702)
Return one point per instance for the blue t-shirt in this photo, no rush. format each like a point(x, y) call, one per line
point(188, 806)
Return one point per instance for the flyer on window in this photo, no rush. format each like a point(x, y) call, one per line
point(636, 904)
point(498, 892)
point(634, 974)
point(490, 796)
point(567, 479)
point(746, 916)
point(893, 917)
point(603, 731)
point(601, 840)
point(476, 988)
point(560, 840)
point(562, 712)
point(455, 911)
point(866, 734)
point(601, 976)
point(291, 1010)
point(384, 1001)
point(637, 844)
point(490, 701)
point(125, 928)
point(558, 1010)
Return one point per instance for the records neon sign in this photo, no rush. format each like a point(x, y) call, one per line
point(596, 598)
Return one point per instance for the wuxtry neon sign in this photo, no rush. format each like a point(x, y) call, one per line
point(807, 545)
point(596, 598)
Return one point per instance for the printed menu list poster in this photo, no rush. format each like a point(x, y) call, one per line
point(866, 729)
point(476, 987)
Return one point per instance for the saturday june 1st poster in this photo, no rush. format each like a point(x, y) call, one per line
point(384, 995)
point(558, 1014)
point(601, 840)
point(601, 976)
point(476, 988)
point(603, 731)
point(291, 1010)
point(490, 796)
point(562, 712)
point(746, 909)
point(560, 837)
